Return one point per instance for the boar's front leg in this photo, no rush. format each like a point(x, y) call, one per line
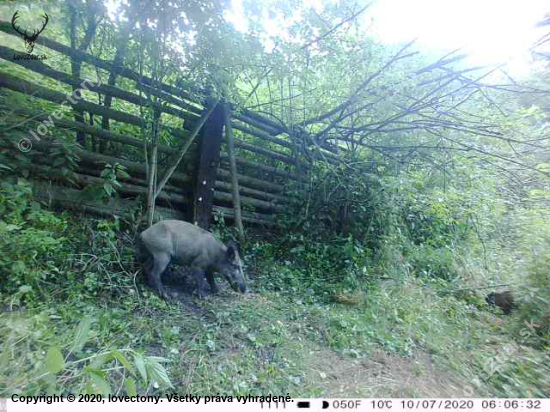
point(212, 281)
point(201, 282)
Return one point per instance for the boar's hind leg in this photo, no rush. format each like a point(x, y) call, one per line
point(147, 267)
point(161, 261)
point(201, 282)
point(212, 281)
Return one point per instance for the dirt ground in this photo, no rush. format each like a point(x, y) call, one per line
point(383, 375)
point(380, 375)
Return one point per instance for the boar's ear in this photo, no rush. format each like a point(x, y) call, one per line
point(232, 249)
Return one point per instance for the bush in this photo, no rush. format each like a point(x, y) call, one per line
point(535, 300)
point(39, 356)
point(44, 251)
point(31, 239)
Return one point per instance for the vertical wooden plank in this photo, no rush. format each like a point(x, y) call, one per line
point(233, 169)
point(210, 141)
point(152, 170)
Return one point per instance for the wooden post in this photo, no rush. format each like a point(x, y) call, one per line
point(152, 171)
point(210, 141)
point(234, 177)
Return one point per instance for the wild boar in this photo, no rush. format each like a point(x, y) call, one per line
point(504, 300)
point(182, 243)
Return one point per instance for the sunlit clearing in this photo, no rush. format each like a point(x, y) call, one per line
point(489, 31)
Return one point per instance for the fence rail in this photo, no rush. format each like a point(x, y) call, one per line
point(268, 163)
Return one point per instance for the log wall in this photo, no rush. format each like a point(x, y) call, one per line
point(268, 168)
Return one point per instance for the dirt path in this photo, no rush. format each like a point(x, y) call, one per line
point(383, 375)
point(379, 375)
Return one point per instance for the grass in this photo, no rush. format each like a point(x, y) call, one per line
point(84, 322)
point(268, 342)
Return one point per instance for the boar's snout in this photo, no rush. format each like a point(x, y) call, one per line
point(236, 280)
point(233, 268)
point(237, 285)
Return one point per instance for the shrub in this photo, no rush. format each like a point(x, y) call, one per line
point(31, 239)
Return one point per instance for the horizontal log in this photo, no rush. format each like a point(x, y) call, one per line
point(7, 28)
point(257, 218)
point(74, 199)
point(172, 193)
point(132, 141)
point(132, 167)
point(92, 130)
point(135, 189)
point(260, 125)
point(262, 135)
point(258, 117)
point(252, 182)
point(142, 183)
point(100, 159)
point(87, 179)
point(193, 111)
point(256, 166)
point(226, 186)
point(265, 152)
point(260, 204)
point(39, 67)
point(47, 162)
point(129, 188)
point(95, 61)
point(34, 90)
point(23, 86)
point(165, 149)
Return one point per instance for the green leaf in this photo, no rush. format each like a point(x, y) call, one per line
point(122, 359)
point(25, 289)
point(54, 360)
point(130, 385)
point(99, 360)
point(140, 365)
point(81, 334)
point(122, 174)
point(19, 267)
point(108, 188)
point(99, 382)
point(157, 372)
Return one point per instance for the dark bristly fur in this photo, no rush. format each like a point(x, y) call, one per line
point(174, 241)
point(503, 300)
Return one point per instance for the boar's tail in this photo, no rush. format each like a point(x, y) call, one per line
point(140, 251)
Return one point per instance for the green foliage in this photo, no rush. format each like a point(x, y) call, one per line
point(107, 189)
point(377, 224)
point(535, 299)
point(61, 154)
point(32, 240)
point(37, 357)
point(131, 341)
point(366, 260)
point(42, 251)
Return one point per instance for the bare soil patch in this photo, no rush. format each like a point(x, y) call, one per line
point(383, 375)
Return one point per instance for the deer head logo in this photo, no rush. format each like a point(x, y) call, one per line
point(29, 39)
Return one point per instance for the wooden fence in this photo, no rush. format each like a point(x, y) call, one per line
point(268, 160)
